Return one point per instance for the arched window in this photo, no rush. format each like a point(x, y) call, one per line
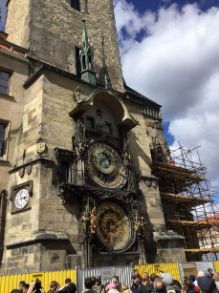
point(75, 4)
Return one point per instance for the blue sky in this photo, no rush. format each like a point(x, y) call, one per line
point(154, 5)
point(2, 13)
point(169, 51)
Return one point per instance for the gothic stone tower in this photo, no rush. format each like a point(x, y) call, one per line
point(80, 186)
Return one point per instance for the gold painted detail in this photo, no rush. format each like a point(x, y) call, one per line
point(113, 226)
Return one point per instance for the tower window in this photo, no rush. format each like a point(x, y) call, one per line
point(90, 123)
point(75, 4)
point(108, 128)
point(77, 61)
point(2, 139)
point(99, 113)
point(4, 82)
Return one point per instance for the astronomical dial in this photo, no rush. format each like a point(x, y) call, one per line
point(113, 227)
point(21, 199)
point(105, 166)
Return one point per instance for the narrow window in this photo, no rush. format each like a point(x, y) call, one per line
point(90, 123)
point(75, 4)
point(77, 61)
point(108, 128)
point(2, 139)
point(4, 82)
point(99, 113)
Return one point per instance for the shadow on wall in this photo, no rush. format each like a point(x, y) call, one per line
point(138, 152)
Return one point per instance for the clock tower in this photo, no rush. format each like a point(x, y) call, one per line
point(81, 189)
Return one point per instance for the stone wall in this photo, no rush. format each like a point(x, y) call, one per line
point(51, 30)
point(11, 108)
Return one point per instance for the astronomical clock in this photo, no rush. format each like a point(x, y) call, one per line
point(102, 176)
point(105, 166)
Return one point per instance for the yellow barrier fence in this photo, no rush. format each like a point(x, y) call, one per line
point(216, 266)
point(8, 283)
point(171, 268)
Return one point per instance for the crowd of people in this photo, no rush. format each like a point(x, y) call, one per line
point(205, 282)
point(55, 287)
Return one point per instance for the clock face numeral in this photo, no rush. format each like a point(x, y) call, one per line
point(21, 199)
point(105, 166)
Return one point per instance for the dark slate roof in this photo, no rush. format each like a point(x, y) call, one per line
point(139, 98)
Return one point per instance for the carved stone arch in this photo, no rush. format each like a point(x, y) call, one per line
point(115, 104)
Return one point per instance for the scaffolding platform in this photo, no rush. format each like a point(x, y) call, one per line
point(202, 250)
point(176, 172)
point(186, 197)
point(197, 225)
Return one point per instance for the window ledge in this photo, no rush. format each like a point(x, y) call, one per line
point(4, 162)
point(6, 96)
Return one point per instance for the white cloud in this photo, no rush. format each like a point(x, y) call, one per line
point(176, 63)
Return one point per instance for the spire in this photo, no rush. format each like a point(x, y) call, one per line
point(85, 40)
point(86, 58)
point(107, 81)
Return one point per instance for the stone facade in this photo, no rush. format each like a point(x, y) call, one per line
point(51, 116)
point(51, 31)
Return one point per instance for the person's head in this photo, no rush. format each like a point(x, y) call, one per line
point(153, 277)
point(54, 285)
point(210, 273)
point(21, 285)
point(177, 284)
point(192, 278)
point(115, 280)
point(88, 282)
point(67, 281)
point(145, 275)
point(136, 272)
point(25, 288)
point(98, 282)
point(15, 291)
point(71, 288)
point(136, 279)
point(159, 285)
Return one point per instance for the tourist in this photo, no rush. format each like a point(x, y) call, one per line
point(145, 279)
point(175, 285)
point(150, 285)
point(36, 287)
point(21, 285)
point(135, 272)
point(69, 287)
point(189, 286)
point(98, 287)
point(136, 283)
point(159, 286)
point(89, 283)
point(53, 287)
point(112, 288)
point(206, 283)
point(25, 288)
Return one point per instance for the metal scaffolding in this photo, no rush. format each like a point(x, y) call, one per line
point(188, 201)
